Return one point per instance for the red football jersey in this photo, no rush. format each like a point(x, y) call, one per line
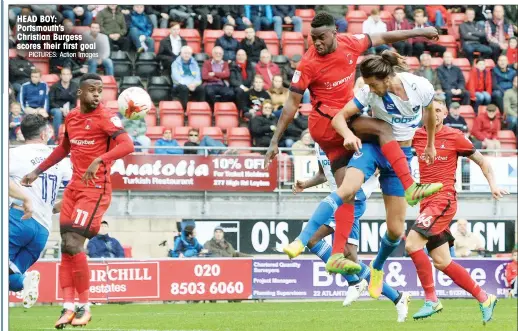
point(91, 135)
point(330, 78)
point(450, 143)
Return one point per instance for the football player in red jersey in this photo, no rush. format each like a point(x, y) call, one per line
point(95, 138)
point(328, 69)
point(431, 229)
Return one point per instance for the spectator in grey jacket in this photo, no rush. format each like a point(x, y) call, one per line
point(100, 55)
point(219, 247)
point(472, 36)
point(428, 72)
point(452, 81)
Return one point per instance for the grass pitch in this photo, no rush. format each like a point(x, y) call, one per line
point(458, 315)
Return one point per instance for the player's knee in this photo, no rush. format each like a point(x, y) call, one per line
point(395, 229)
point(410, 246)
point(70, 245)
point(384, 133)
point(347, 193)
point(441, 262)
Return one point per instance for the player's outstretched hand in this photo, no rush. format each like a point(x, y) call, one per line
point(27, 208)
point(431, 33)
point(89, 175)
point(429, 154)
point(298, 186)
point(498, 193)
point(28, 179)
point(353, 143)
point(271, 153)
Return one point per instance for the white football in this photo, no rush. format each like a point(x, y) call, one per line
point(134, 103)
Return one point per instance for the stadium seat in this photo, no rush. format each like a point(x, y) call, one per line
point(171, 114)
point(239, 137)
point(457, 19)
point(436, 62)
point(127, 251)
point(181, 134)
point(146, 65)
point(159, 88)
point(12, 53)
point(209, 39)
point(412, 62)
point(506, 136)
point(122, 64)
point(158, 35)
point(285, 168)
point(113, 106)
point(226, 115)
point(130, 81)
point(155, 132)
point(110, 88)
point(150, 118)
point(367, 9)
point(200, 58)
point(355, 18)
point(199, 114)
point(306, 15)
point(292, 43)
point(469, 115)
point(50, 79)
point(192, 36)
point(449, 42)
point(272, 41)
point(464, 66)
point(239, 35)
point(41, 63)
point(305, 109)
point(391, 8)
point(280, 60)
point(508, 146)
point(213, 132)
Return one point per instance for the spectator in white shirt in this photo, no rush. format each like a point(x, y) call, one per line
point(100, 54)
point(373, 25)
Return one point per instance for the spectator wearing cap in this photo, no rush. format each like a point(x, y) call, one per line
point(338, 13)
point(241, 75)
point(170, 48)
point(167, 141)
point(266, 68)
point(373, 25)
point(455, 119)
point(229, 44)
point(498, 30)
point(285, 15)
point(511, 105)
point(399, 22)
point(486, 128)
point(252, 45)
point(103, 245)
point(215, 74)
point(479, 84)
point(219, 247)
point(186, 244)
point(186, 77)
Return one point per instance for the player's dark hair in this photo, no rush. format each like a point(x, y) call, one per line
point(382, 66)
point(90, 76)
point(95, 23)
point(322, 19)
point(32, 125)
point(399, 8)
point(188, 230)
point(36, 71)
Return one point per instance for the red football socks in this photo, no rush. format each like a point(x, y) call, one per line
point(397, 159)
point(461, 277)
point(66, 280)
point(81, 277)
point(424, 271)
point(344, 218)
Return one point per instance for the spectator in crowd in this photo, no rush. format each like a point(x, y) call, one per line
point(421, 44)
point(235, 16)
point(304, 146)
point(20, 70)
point(193, 140)
point(512, 53)
point(59, 62)
point(63, 98)
point(207, 17)
point(49, 10)
point(215, 75)
point(482, 13)
point(479, 84)
point(455, 119)
point(113, 25)
point(278, 94)
point(263, 126)
point(511, 105)
point(472, 37)
point(11, 93)
point(285, 15)
point(182, 14)
point(126, 10)
point(137, 131)
point(502, 80)
point(511, 273)
point(289, 70)
point(96, 9)
point(426, 71)
point(186, 244)
point(373, 24)
point(485, 129)
point(497, 31)
point(34, 95)
point(241, 76)
point(167, 141)
point(338, 12)
point(399, 22)
point(19, 137)
point(186, 77)
point(261, 16)
point(101, 54)
point(169, 48)
point(103, 245)
point(438, 15)
point(295, 129)
point(15, 119)
point(254, 98)
point(229, 44)
point(219, 247)
point(452, 80)
point(140, 30)
point(80, 13)
point(252, 45)
point(466, 242)
point(266, 68)
point(156, 12)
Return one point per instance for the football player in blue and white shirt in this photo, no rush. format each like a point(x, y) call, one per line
point(312, 235)
point(28, 237)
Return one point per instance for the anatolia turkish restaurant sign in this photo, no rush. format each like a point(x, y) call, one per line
point(193, 173)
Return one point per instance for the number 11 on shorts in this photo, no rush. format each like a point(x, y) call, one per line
point(81, 217)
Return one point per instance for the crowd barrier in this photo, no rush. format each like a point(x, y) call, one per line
point(247, 278)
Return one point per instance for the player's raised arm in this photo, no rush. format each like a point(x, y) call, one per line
point(430, 123)
point(384, 38)
point(487, 170)
point(16, 192)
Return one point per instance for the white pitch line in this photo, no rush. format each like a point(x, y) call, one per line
point(128, 329)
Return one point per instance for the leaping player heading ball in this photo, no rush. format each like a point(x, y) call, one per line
point(328, 69)
point(95, 138)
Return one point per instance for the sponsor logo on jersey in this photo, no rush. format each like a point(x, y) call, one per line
point(357, 155)
point(437, 158)
point(116, 121)
point(344, 80)
point(296, 76)
point(82, 142)
point(403, 119)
